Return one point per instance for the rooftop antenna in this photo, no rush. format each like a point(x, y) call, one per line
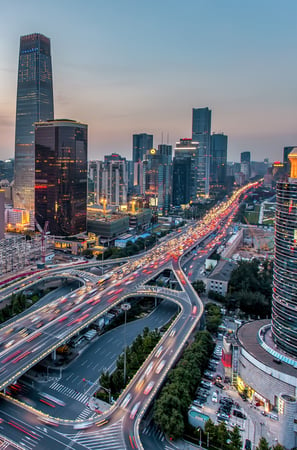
point(162, 138)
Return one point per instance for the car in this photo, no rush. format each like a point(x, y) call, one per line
point(219, 385)
point(248, 444)
point(160, 366)
point(134, 410)
point(226, 400)
point(159, 351)
point(214, 397)
point(223, 415)
point(239, 414)
point(126, 400)
point(208, 377)
point(224, 419)
point(149, 369)
point(149, 387)
point(198, 403)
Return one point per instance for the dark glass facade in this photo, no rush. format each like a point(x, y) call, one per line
point(141, 144)
point(181, 180)
point(157, 176)
point(284, 305)
point(61, 176)
point(218, 162)
point(201, 128)
point(34, 104)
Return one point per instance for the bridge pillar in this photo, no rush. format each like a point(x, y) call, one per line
point(54, 355)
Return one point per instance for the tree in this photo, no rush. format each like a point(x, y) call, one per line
point(222, 437)
point(263, 444)
point(278, 447)
point(199, 286)
point(211, 430)
point(235, 437)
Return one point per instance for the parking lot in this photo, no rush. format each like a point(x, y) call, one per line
point(218, 400)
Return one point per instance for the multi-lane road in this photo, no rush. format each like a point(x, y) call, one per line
point(36, 335)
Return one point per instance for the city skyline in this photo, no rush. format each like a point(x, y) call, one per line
point(132, 68)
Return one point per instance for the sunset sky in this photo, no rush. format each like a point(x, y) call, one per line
point(132, 66)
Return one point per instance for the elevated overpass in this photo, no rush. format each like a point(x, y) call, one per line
point(65, 325)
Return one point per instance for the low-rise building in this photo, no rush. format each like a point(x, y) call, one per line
point(219, 278)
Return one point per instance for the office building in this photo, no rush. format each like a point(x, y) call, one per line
point(181, 179)
point(186, 149)
point(61, 176)
point(142, 143)
point(264, 357)
point(7, 170)
point(286, 152)
point(95, 171)
point(284, 306)
point(115, 180)
point(34, 104)
point(201, 128)
point(218, 162)
point(245, 164)
point(157, 178)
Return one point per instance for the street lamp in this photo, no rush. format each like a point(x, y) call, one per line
point(125, 307)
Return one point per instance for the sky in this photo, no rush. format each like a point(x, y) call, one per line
point(133, 66)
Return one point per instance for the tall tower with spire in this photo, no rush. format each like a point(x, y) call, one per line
point(34, 104)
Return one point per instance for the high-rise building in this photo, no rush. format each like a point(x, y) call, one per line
point(115, 180)
point(181, 179)
point(34, 104)
point(157, 176)
point(218, 166)
point(245, 164)
point(286, 152)
point(61, 176)
point(284, 305)
point(142, 143)
point(95, 173)
point(186, 148)
point(201, 128)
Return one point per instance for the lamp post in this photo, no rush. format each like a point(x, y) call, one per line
point(125, 307)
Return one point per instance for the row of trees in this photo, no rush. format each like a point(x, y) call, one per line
point(213, 317)
point(171, 408)
point(136, 354)
point(250, 289)
point(19, 302)
point(217, 437)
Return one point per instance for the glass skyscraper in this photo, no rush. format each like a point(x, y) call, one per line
point(218, 162)
point(201, 128)
point(34, 104)
point(284, 305)
point(142, 143)
point(61, 176)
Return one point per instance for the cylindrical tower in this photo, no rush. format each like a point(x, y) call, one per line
point(284, 305)
point(287, 408)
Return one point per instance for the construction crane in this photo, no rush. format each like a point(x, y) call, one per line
point(43, 233)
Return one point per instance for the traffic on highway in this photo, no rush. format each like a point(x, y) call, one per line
point(31, 338)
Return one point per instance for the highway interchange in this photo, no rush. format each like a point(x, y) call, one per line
point(32, 337)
